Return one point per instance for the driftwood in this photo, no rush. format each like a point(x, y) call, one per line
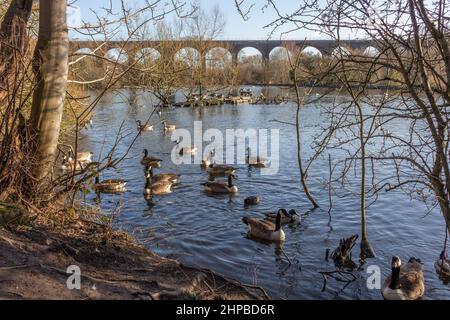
point(342, 256)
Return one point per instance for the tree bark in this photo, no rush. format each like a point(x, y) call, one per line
point(13, 43)
point(50, 64)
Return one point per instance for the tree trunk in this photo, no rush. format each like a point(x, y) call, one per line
point(366, 248)
point(13, 43)
point(50, 64)
point(303, 174)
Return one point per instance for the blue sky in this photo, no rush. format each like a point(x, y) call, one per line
point(236, 27)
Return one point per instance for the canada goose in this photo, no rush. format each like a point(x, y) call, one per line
point(170, 177)
point(150, 161)
point(87, 123)
point(67, 165)
point(442, 265)
point(83, 159)
point(144, 127)
point(257, 161)
point(221, 187)
point(208, 160)
point(110, 185)
point(157, 188)
point(265, 230)
point(205, 163)
point(185, 150)
point(252, 200)
point(220, 169)
point(286, 217)
point(406, 282)
point(169, 127)
point(84, 156)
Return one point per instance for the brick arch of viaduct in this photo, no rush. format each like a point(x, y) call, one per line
point(265, 47)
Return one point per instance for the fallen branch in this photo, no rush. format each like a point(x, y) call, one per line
point(284, 253)
point(326, 274)
point(15, 267)
point(284, 122)
point(236, 282)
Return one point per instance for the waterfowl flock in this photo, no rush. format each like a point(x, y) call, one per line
point(405, 282)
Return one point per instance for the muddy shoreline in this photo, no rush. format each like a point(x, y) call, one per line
point(34, 261)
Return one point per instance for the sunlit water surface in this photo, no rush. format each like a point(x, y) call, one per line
point(207, 231)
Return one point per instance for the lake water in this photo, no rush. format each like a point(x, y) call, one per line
point(207, 231)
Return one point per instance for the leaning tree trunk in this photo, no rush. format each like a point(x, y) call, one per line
point(50, 66)
point(13, 44)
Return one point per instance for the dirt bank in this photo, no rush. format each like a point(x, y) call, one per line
point(34, 260)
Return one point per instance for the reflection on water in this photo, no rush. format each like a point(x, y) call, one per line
point(207, 230)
